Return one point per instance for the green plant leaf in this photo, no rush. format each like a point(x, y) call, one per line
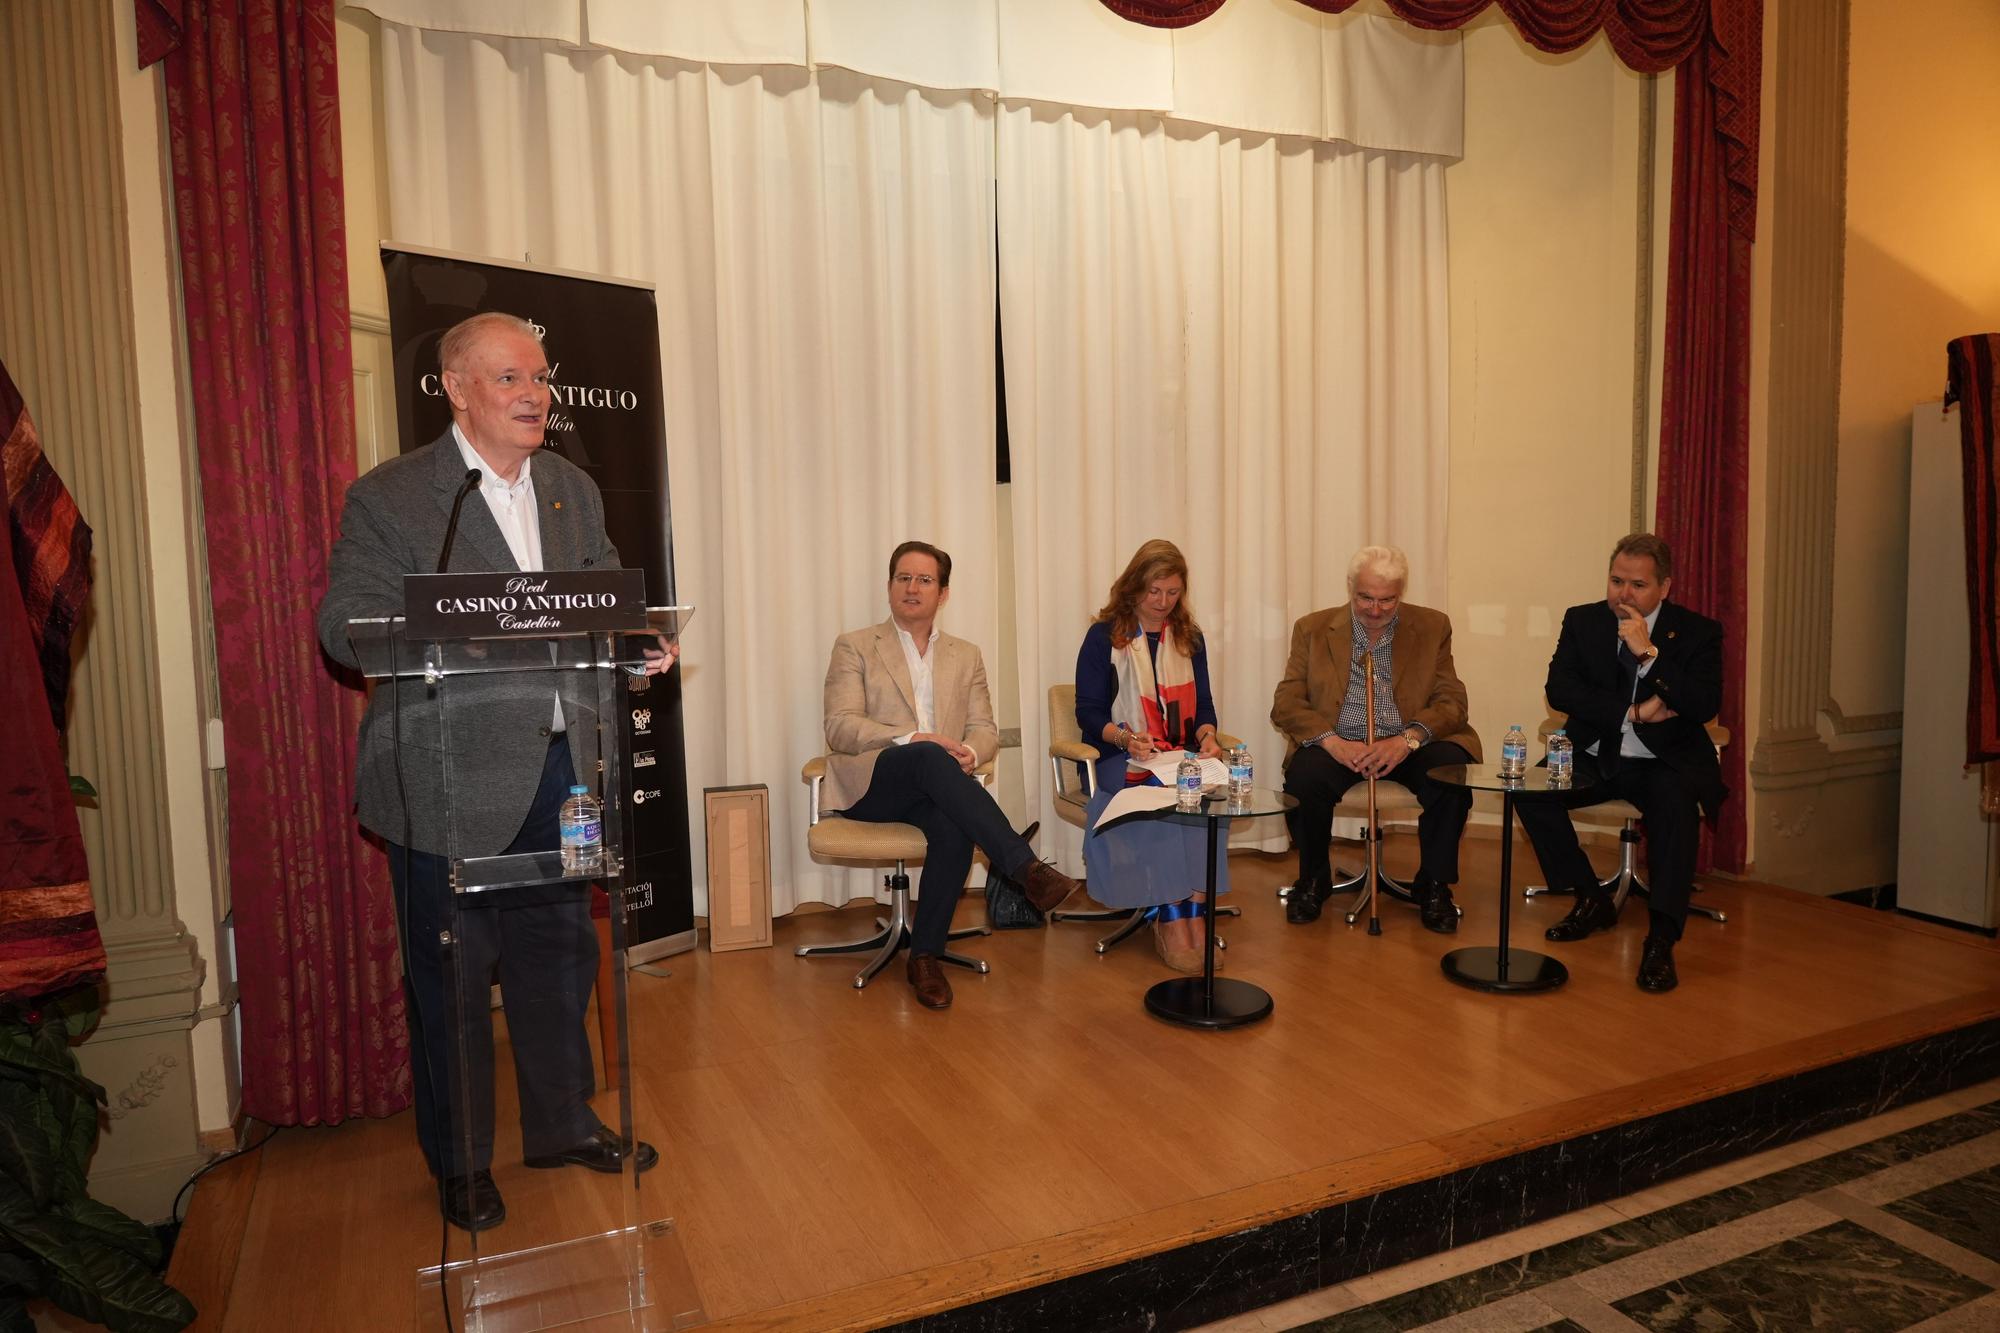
point(113, 1228)
point(99, 1282)
point(30, 1141)
point(79, 787)
point(16, 1275)
point(79, 1009)
point(20, 1049)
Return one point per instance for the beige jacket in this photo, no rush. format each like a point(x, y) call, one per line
point(870, 701)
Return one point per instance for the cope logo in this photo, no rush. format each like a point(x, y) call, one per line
point(642, 721)
point(640, 795)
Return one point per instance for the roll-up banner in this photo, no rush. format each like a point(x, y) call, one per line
point(602, 339)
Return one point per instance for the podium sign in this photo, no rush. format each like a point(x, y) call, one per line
point(535, 604)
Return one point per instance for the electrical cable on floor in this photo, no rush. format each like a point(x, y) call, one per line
point(210, 1165)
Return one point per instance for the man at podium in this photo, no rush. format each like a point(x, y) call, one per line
point(511, 764)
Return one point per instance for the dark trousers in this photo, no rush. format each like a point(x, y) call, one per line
point(545, 954)
point(922, 784)
point(1673, 826)
point(1318, 780)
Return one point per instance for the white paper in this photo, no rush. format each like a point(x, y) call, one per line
point(1137, 800)
point(1166, 767)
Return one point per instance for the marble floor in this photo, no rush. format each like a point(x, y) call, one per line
point(1885, 1225)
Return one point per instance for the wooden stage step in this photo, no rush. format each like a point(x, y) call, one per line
point(1045, 1155)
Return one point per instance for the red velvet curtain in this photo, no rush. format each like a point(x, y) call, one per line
point(1718, 48)
point(1704, 476)
point(254, 122)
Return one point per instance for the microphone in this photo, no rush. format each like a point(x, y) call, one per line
point(472, 476)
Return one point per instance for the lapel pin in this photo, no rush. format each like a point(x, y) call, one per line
point(558, 504)
point(1670, 633)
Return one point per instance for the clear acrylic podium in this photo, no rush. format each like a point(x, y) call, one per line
point(577, 1248)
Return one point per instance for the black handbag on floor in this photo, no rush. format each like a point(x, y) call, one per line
point(1007, 907)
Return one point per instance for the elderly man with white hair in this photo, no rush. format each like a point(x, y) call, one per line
point(1420, 724)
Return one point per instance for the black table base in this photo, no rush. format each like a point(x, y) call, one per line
point(1208, 1002)
point(1490, 969)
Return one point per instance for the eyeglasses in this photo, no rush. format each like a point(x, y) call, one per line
point(920, 580)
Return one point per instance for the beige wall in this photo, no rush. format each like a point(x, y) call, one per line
point(1922, 267)
point(1544, 211)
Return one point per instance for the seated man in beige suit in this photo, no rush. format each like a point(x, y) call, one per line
point(908, 719)
point(1420, 711)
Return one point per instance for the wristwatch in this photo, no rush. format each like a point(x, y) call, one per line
point(1411, 741)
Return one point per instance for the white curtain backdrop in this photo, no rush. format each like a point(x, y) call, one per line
point(1236, 342)
point(822, 246)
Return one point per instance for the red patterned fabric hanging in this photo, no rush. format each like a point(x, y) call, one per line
point(48, 924)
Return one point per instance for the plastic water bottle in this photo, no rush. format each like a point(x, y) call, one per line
point(582, 822)
point(1240, 776)
point(1562, 759)
point(1514, 753)
point(1187, 783)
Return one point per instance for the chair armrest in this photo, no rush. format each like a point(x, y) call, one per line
point(1718, 735)
point(814, 770)
point(1227, 741)
point(1073, 750)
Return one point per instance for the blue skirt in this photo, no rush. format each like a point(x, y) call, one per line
point(1145, 862)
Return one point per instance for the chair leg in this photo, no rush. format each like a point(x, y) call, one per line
point(1135, 917)
point(892, 933)
point(1626, 881)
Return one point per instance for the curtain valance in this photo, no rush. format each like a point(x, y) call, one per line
point(1264, 66)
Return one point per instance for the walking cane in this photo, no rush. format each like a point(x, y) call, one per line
point(1373, 834)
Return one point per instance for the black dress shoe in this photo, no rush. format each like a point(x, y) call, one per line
point(1593, 912)
point(1656, 966)
point(602, 1151)
point(1440, 912)
point(472, 1203)
point(1303, 903)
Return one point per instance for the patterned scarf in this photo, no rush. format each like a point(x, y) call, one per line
point(1147, 686)
point(48, 927)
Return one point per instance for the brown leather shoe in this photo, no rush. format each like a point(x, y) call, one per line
point(1046, 886)
point(926, 975)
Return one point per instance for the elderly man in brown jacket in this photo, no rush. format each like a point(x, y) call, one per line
point(908, 718)
point(1419, 725)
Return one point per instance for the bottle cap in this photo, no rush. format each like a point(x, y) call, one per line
point(579, 790)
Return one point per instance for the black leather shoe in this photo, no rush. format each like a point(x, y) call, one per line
point(1593, 912)
point(602, 1151)
point(1303, 903)
point(1656, 966)
point(1440, 912)
point(472, 1203)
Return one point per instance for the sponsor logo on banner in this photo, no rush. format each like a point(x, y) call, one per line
point(639, 895)
point(642, 759)
point(642, 721)
point(640, 795)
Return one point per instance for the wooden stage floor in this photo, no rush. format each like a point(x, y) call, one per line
point(838, 1159)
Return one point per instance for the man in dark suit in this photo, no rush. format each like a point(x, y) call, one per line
point(908, 719)
point(1639, 678)
point(1420, 724)
point(516, 742)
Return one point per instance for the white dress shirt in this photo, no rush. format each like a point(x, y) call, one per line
point(921, 680)
point(513, 508)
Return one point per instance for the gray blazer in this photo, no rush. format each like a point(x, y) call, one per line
point(393, 524)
